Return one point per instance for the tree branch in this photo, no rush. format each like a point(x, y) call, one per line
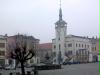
point(28, 53)
point(29, 57)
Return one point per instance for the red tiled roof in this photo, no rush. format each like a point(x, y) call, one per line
point(45, 46)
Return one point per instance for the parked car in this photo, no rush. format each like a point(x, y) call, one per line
point(67, 63)
point(76, 62)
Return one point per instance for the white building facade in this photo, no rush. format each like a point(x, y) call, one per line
point(79, 47)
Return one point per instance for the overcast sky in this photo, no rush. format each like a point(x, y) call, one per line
point(37, 17)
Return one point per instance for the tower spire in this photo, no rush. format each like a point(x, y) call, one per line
point(60, 12)
point(60, 3)
point(60, 22)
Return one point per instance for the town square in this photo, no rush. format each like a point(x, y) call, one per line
point(49, 37)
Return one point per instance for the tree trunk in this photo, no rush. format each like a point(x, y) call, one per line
point(22, 68)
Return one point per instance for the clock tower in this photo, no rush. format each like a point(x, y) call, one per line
point(60, 29)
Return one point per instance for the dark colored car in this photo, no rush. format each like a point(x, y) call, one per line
point(67, 63)
point(76, 62)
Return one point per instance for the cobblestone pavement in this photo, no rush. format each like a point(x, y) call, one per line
point(78, 69)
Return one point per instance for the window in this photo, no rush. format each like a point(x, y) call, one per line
point(2, 61)
point(95, 48)
point(85, 52)
point(92, 48)
point(54, 46)
point(31, 61)
point(54, 54)
point(69, 52)
point(65, 45)
point(85, 45)
point(82, 45)
point(59, 38)
point(59, 46)
point(76, 44)
point(88, 46)
point(2, 53)
point(70, 45)
point(79, 45)
point(77, 53)
point(2, 45)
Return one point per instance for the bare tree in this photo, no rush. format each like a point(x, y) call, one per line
point(69, 56)
point(21, 53)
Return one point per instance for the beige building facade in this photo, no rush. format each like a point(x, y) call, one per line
point(98, 49)
point(32, 43)
point(80, 48)
point(3, 43)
